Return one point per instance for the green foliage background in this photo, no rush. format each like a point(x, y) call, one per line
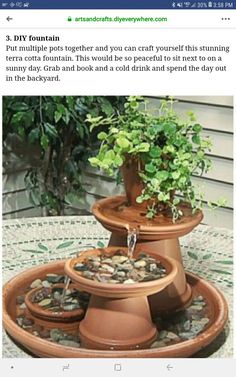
point(52, 134)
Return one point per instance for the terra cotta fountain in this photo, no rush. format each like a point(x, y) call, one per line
point(122, 320)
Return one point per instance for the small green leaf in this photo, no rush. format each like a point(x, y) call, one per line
point(33, 251)
point(123, 142)
point(163, 197)
point(191, 116)
point(155, 152)
point(221, 202)
point(162, 175)
point(155, 182)
point(44, 142)
point(94, 161)
point(102, 136)
point(176, 201)
point(169, 149)
point(207, 256)
point(61, 108)
point(169, 128)
point(66, 116)
point(80, 130)
point(186, 156)
point(42, 247)
point(158, 128)
point(150, 168)
point(100, 244)
point(150, 214)
point(182, 180)
point(197, 128)
point(175, 174)
point(109, 155)
point(51, 130)
point(134, 104)
point(196, 139)
point(118, 161)
point(192, 255)
point(224, 262)
point(65, 244)
point(114, 130)
point(221, 271)
point(107, 107)
point(19, 106)
point(200, 154)
point(17, 117)
point(143, 147)
point(57, 116)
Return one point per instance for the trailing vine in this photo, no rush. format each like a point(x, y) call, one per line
point(170, 150)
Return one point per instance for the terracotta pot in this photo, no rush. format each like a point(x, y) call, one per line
point(47, 315)
point(217, 311)
point(132, 181)
point(133, 184)
point(123, 307)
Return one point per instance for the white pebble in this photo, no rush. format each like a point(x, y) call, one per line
point(140, 263)
point(46, 284)
point(129, 281)
point(36, 284)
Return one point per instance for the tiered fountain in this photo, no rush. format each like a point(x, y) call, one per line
point(141, 301)
point(121, 320)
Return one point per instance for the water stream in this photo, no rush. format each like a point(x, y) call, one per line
point(67, 283)
point(132, 237)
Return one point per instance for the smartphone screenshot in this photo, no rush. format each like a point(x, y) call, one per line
point(117, 184)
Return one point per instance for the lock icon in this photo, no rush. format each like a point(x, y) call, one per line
point(69, 19)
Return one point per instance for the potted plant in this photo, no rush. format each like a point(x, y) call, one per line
point(157, 155)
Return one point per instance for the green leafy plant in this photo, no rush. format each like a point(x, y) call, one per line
point(169, 151)
point(51, 136)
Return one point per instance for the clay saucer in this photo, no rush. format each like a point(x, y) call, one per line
point(120, 290)
point(47, 315)
point(116, 216)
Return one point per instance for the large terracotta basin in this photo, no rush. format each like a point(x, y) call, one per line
point(116, 216)
point(120, 290)
point(217, 308)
